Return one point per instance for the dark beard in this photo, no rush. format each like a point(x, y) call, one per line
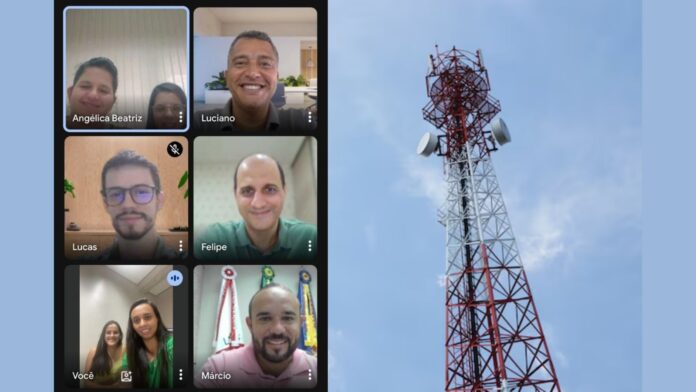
point(259, 349)
point(129, 235)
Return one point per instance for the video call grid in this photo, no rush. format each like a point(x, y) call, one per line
point(190, 262)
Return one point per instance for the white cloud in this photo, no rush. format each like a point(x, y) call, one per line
point(577, 211)
point(558, 357)
point(545, 233)
point(580, 201)
point(422, 179)
point(441, 280)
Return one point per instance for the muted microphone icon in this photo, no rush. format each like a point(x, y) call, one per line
point(175, 149)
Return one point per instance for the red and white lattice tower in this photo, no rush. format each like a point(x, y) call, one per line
point(494, 339)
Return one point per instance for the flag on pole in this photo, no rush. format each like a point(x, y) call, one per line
point(308, 331)
point(228, 325)
point(267, 275)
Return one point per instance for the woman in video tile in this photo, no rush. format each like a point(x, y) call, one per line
point(104, 360)
point(93, 94)
point(167, 107)
point(149, 347)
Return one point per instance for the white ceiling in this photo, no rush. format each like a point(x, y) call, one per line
point(149, 278)
point(265, 15)
point(134, 273)
point(225, 149)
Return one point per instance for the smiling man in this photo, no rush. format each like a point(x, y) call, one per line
point(261, 235)
point(252, 78)
point(272, 360)
point(133, 196)
point(92, 94)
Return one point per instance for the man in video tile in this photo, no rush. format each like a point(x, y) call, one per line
point(132, 196)
point(92, 94)
point(272, 360)
point(252, 78)
point(259, 190)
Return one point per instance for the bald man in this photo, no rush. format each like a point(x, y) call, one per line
point(262, 235)
point(272, 360)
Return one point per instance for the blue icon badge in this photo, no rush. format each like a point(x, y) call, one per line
point(174, 278)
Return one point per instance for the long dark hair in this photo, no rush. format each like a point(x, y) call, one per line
point(137, 353)
point(102, 363)
point(163, 88)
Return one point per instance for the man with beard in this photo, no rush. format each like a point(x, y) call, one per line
point(132, 196)
point(272, 360)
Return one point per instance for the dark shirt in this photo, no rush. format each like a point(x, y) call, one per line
point(162, 252)
point(278, 120)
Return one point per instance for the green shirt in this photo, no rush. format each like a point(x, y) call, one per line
point(297, 242)
point(111, 378)
point(153, 369)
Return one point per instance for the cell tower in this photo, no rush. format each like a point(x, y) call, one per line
point(494, 339)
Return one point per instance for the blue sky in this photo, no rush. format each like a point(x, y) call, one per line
point(568, 76)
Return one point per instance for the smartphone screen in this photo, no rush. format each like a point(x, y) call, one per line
point(190, 237)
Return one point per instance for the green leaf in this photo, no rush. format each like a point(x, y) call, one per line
point(301, 81)
point(68, 187)
point(183, 179)
point(186, 194)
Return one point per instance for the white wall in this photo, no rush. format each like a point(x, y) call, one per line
point(106, 295)
point(305, 181)
point(207, 281)
point(147, 46)
point(206, 23)
point(274, 29)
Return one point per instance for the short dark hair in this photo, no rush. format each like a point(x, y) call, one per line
point(252, 34)
point(162, 88)
point(130, 158)
point(270, 286)
point(280, 169)
point(99, 62)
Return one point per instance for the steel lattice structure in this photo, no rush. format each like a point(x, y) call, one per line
point(494, 339)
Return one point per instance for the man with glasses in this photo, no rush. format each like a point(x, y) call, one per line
point(133, 195)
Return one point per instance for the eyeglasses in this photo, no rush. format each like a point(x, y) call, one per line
point(160, 109)
point(140, 194)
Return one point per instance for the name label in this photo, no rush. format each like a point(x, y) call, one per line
point(84, 247)
point(100, 118)
point(215, 376)
point(83, 376)
point(214, 118)
point(214, 247)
